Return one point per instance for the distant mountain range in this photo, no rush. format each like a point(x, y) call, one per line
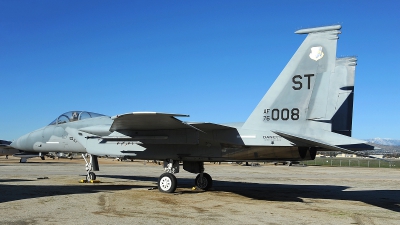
point(384, 141)
point(386, 145)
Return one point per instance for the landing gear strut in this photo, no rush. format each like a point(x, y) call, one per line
point(92, 165)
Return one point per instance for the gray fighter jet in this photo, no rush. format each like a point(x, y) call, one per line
point(6, 149)
point(307, 109)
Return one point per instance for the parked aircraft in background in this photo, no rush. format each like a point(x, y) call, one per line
point(307, 109)
point(5, 148)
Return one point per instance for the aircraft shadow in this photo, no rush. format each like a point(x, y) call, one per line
point(13, 180)
point(387, 199)
point(11, 192)
point(140, 178)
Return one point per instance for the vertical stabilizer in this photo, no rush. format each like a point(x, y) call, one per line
point(339, 102)
point(305, 76)
point(342, 96)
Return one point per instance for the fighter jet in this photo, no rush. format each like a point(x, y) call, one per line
point(303, 112)
point(5, 148)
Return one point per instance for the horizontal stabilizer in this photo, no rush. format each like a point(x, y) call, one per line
point(314, 142)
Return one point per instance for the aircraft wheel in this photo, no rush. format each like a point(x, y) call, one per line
point(91, 176)
point(167, 183)
point(205, 183)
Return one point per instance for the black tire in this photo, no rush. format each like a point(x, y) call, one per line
point(205, 183)
point(167, 183)
point(91, 176)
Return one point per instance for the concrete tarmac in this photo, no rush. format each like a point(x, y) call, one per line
point(128, 194)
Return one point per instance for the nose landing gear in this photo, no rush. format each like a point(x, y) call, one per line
point(92, 165)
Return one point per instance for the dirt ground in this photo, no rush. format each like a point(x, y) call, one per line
point(48, 192)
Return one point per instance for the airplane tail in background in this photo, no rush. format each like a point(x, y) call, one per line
point(300, 92)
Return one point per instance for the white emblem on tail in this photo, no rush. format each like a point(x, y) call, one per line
point(316, 53)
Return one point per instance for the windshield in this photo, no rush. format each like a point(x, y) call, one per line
point(74, 116)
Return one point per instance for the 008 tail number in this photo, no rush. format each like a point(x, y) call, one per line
point(281, 114)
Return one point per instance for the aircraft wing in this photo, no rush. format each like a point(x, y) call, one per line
point(297, 139)
point(209, 126)
point(158, 121)
point(147, 121)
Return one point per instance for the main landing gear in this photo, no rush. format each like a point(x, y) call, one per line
point(203, 181)
point(92, 165)
point(167, 181)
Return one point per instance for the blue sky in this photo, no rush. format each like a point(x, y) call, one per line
point(213, 60)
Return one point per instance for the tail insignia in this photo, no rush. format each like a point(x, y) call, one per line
point(316, 53)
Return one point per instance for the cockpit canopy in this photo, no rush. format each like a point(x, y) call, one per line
point(74, 116)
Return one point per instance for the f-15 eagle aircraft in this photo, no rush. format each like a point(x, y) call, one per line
point(307, 109)
point(5, 149)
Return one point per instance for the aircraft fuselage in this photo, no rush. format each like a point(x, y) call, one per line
point(181, 144)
